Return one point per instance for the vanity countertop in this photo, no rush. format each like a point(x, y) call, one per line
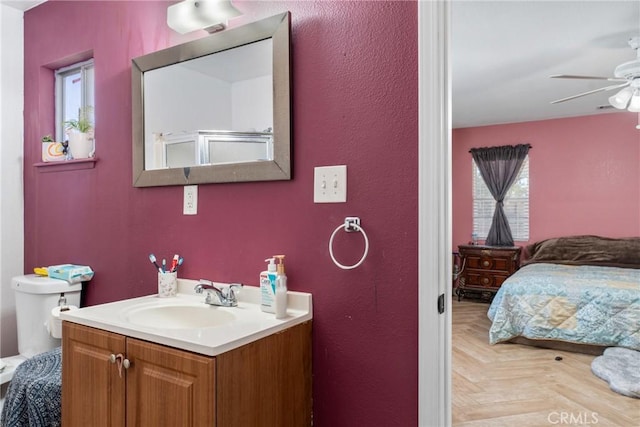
point(249, 322)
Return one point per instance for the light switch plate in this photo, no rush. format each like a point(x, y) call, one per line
point(330, 184)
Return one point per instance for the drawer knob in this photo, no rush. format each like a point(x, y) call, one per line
point(485, 280)
point(485, 263)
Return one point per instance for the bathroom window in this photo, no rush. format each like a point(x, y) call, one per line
point(74, 93)
point(516, 205)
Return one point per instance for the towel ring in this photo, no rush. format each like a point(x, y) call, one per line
point(350, 224)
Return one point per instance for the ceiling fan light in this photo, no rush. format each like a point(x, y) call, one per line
point(621, 99)
point(634, 105)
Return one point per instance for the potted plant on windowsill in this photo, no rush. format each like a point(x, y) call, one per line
point(52, 151)
point(80, 132)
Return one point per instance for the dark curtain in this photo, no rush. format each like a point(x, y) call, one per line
point(499, 167)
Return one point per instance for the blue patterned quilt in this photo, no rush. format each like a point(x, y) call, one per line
point(579, 304)
point(34, 395)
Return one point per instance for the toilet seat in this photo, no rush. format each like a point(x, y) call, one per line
point(11, 363)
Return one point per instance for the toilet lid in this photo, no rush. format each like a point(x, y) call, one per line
point(34, 284)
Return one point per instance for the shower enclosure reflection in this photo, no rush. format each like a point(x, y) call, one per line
point(183, 149)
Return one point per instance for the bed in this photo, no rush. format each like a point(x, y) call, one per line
point(581, 290)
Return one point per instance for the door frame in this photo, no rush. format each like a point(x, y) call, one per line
point(434, 213)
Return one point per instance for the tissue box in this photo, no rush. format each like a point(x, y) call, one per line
point(71, 273)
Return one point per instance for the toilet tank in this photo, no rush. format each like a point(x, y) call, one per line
point(36, 296)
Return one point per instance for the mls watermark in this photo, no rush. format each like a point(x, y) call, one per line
point(573, 418)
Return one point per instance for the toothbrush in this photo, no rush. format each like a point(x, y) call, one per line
point(152, 258)
point(180, 261)
point(174, 263)
point(164, 265)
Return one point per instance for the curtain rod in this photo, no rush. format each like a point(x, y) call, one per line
point(530, 147)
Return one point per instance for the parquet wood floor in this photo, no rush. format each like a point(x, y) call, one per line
point(516, 385)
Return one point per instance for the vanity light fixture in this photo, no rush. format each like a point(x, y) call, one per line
point(210, 15)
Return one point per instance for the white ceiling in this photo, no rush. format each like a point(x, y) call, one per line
point(22, 4)
point(503, 52)
point(246, 62)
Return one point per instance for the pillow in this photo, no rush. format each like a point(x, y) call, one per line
point(586, 250)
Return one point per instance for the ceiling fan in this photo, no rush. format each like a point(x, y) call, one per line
point(627, 76)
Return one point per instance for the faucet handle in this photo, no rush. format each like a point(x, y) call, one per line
point(230, 292)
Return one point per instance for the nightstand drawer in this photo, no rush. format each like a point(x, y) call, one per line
point(476, 278)
point(486, 262)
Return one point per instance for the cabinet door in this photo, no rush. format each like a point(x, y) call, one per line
point(169, 387)
point(267, 383)
point(93, 392)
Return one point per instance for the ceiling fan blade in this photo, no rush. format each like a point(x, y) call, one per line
point(571, 76)
point(602, 89)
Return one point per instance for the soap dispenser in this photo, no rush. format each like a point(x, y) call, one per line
point(281, 289)
point(268, 287)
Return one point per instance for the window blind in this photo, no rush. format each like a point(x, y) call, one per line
point(516, 204)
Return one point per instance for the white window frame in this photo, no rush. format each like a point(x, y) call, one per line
point(87, 93)
point(516, 206)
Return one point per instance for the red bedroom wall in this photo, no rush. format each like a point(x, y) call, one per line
point(354, 103)
point(584, 175)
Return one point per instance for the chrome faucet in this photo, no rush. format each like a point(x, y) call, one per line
point(224, 297)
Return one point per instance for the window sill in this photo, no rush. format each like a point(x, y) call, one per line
point(66, 165)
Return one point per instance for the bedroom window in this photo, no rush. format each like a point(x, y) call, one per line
point(74, 92)
point(516, 205)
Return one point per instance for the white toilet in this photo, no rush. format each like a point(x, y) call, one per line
point(36, 296)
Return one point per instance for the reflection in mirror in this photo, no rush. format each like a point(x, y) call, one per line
point(229, 91)
point(182, 149)
point(215, 109)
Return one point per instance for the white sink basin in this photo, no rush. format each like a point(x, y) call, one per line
point(178, 316)
point(187, 323)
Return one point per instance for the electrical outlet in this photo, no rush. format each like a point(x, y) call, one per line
point(330, 184)
point(190, 204)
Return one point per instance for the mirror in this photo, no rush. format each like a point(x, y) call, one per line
point(215, 109)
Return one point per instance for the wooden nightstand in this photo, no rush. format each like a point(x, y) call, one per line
point(484, 268)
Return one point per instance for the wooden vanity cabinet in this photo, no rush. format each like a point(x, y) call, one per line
point(265, 383)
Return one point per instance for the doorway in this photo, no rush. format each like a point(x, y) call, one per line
point(434, 215)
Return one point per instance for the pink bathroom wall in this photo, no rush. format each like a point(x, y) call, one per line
point(584, 175)
point(354, 102)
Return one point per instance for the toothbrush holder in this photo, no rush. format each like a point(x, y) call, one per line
point(167, 284)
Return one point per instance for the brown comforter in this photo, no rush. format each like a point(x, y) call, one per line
point(586, 250)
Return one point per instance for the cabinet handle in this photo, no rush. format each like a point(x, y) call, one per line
point(119, 360)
